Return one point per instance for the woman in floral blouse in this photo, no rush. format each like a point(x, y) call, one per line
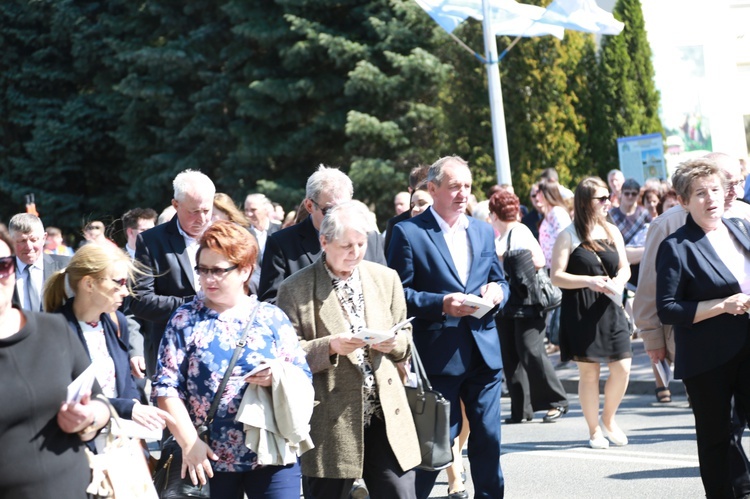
point(195, 351)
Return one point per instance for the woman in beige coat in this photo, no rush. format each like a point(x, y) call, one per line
point(362, 426)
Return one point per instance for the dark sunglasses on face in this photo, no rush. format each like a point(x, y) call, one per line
point(630, 194)
point(217, 273)
point(323, 209)
point(121, 283)
point(7, 266)
point(602, 199)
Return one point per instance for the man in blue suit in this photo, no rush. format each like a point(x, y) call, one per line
point(442, 256)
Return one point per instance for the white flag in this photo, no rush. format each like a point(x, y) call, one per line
point(582, 15)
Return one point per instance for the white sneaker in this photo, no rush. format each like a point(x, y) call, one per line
point(616, 436)
point(598, 441)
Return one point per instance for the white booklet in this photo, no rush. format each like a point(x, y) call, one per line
point(481, 306)
point(374, 336)
point(81, 385)
point(615, 293)
point(665, 371)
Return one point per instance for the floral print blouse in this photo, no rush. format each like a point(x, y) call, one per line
point(195, 351)
point(554, 222)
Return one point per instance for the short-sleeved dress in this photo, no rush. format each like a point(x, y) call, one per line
point(593, 328)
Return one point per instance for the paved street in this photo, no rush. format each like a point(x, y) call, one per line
point(554, 460)
point(546, 460)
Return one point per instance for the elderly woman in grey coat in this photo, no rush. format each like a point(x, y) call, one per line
point(362, 426)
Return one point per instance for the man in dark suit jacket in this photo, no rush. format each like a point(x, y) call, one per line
point(27, 232)
point(168, 253)
point(298, 246)
point(442, 257)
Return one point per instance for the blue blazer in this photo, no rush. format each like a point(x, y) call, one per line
point(689, 271)
point(420, 255)
point(117, 346)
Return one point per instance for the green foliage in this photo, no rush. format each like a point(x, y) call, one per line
point(626, 100)
point(102, 103)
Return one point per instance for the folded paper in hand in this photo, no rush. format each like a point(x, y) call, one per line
point(81, 385)
point(615, 292)
point(481, 305)
point(373, 336)
point(665, 371)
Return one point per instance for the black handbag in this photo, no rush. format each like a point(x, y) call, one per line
point(431, 413)
point(549, 296)
point(523, 281)
point(167, 480)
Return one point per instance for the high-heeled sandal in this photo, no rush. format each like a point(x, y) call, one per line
point(555, 414)
point(663, 395)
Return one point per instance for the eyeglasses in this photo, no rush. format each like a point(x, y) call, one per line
point(602, 199)
point(121, 283)
point(630, 194)
point(323, 209)
point(7, 266)
point(216, 272)
point(735, 184)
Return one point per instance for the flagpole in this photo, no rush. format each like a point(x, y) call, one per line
point(497, 112)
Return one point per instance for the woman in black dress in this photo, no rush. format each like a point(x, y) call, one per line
point(589, 264)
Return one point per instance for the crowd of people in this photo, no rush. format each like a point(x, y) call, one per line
point(209, 306)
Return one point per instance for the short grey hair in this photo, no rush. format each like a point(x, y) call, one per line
point(25, 223)
point(436, 171)
point(691, 170)
point(257, 197)
point(331, 180)
point(348, 215)
point(192, 182)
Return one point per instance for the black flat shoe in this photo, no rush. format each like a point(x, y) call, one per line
point(460, 494)
point(556, 414)
point(516, 421)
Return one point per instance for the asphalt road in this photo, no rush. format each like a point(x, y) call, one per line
point(553, 460)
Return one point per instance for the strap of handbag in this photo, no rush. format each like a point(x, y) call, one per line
point(235, 356)
point(507, 241)
point(422, 381)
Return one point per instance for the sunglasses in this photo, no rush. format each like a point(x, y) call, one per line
point(630, 194)
point(323, 209)
point(602, 199)
point(216, 273)
point(121, 283)
point(7, 266)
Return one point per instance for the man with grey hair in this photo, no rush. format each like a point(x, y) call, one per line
point(33, 266)
point(298, 246)
point(261, 225)
point(168, 253)
point(447, 261)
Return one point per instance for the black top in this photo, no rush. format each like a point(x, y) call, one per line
point(38, 458)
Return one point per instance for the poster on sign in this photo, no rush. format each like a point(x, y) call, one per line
point(642, 157)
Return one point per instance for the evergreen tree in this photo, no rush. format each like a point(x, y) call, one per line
point(351, 84)
point(626, 99)
point(545, 88)
point(55, 140)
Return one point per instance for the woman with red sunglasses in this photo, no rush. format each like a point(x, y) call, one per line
point(89, 293)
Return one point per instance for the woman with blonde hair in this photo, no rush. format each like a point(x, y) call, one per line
point(225, 209)
point(89, 293)
point(589, 264)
